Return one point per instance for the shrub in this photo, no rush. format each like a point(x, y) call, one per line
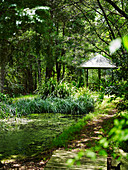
point(47, 88)
point(74, 102)
point(53, 89)
point(119, 89)
point(5, 108)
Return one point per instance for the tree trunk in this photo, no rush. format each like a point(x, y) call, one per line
point(35, 82)
point(58, 69)
point(2, 77)
point(48, 72)
point(39, 70)
point(30, 79)
point(63, 71)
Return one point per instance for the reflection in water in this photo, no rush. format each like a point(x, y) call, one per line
point(32, 135)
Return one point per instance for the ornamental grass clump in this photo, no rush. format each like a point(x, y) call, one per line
point(70, 105)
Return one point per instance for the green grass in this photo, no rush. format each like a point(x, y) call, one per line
point(70, 133)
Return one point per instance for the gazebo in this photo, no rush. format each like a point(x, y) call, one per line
point(98, 62)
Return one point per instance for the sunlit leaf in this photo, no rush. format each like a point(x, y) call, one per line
point(91, 154)
point(104, 142)
point(103, 152)
point(125, 42)
point(80, 154)
point(116, 122)
point(70, 162)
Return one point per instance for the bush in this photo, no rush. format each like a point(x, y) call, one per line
point(53, 89)
point(119, 89)
point(47, 88)
point(64, 90)
point(74, 102)
point(5, 107)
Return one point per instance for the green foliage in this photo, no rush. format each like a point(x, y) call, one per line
point(73, 103)
point(125, 42)
point(47, 88)
point(71, 162)
point(53, 89)
point(70, 105)
point(5, 106)
point(64, 90)
point(3, 97)
point(119, 89)
point(119, 132)
point(117, 137)
point(6, 110)
point(122, 105)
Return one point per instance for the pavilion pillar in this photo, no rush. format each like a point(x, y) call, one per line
point(87, 78)
point(99, 75)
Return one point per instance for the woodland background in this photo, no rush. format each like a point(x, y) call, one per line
point(42, 43)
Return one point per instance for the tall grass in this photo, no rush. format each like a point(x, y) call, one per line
point(70, 105)
point(77, 102)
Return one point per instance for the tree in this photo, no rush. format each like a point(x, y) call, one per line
point(15, 18)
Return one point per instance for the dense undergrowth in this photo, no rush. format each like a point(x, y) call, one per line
point(80, 102)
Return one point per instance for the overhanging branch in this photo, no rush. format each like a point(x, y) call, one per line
point(118, 9)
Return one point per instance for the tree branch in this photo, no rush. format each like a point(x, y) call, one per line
point(118, 9)
point(105, 16)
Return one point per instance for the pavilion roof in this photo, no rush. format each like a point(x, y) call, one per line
point(98, 61)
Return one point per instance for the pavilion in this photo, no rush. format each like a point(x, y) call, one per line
point(98, 62)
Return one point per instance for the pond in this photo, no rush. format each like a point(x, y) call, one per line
point(28, 136)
